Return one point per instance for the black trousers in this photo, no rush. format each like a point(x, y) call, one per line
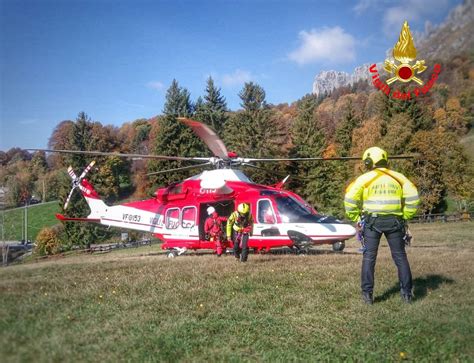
point(241, 250)
point(394, 230)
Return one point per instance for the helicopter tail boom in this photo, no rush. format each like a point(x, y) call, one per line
point(97, 205)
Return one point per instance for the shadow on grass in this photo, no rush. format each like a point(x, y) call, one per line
point(421, 287)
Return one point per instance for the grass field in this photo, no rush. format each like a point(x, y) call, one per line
point(137, 305)
point(39, 216)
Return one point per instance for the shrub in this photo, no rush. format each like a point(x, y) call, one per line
point(49, 240)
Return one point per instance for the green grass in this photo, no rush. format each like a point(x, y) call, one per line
point(141, 306)
point(39, 216)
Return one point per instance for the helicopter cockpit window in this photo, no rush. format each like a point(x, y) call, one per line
point(172, 218)
point(188, 220)
point(265, 212)
point(293, 211)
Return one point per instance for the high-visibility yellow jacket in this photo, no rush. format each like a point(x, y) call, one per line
point(381, 192)
point(239, 223)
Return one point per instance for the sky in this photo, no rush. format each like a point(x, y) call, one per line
point(115, 59)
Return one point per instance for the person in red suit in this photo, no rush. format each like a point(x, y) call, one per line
point(213, 228)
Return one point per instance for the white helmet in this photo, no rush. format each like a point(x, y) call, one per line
point(210, 210)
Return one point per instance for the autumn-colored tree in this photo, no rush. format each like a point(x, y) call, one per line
point(60, 140)
point(367, 135)
point(452, 118)
point(440, 168)
point(49, 240)
point(325, 115)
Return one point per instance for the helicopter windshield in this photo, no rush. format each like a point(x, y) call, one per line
point(292, 210)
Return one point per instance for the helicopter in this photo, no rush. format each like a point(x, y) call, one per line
point(177, 213)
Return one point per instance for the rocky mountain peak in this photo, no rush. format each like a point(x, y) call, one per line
point(327, 81)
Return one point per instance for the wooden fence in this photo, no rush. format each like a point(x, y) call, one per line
point(443, 218)
point(107, 247)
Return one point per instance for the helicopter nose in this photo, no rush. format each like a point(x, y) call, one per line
point(349, 230)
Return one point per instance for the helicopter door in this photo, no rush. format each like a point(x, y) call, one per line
point(223, 208)
point(266, 219)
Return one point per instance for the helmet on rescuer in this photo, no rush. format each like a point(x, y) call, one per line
point(210, 210)
point(243, 208)
point(375, 156)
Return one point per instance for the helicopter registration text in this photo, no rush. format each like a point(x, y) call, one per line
point(131, 217)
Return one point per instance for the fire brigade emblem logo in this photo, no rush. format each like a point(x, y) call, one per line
point(405, 53)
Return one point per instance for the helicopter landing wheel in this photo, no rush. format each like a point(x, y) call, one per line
point(338, 246)
point(301, 242)
point(172, 254)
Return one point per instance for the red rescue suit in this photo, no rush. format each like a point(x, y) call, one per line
point(213, 228)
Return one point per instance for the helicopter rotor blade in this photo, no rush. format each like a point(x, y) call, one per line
point(340, 158)
point(273, 172)
point(86, 170)
point(69, 197)
point(208, 136)
point(124, 155)
point(177, 169)
point(71, 173)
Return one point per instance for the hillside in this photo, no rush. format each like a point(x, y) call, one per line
point(468, 142)
point(453, 36)
point(39, 216)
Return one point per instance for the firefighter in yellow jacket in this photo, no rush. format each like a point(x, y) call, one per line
point(381, 200)
point(239, 227)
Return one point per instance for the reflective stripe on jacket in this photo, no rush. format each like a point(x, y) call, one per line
point(381, 191)
point(238, 223)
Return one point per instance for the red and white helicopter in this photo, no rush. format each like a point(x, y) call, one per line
point(177, 213)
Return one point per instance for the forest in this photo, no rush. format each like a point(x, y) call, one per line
point(343, 123)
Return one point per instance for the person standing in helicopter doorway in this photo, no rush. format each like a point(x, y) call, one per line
point(381, 201)
point(213, 228)
point(239, 228)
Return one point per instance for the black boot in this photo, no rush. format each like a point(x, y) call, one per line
point(406, 298)
point(367, 298)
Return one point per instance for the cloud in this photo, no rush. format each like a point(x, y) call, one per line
point(156, 85)
point(394, 15)
point(238, 77)
point(411, 10)
point(327, 44)
point(28, 121)
point(363, 5)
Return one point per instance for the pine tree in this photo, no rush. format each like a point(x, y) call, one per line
point(78, 233)
point(345, 129)
point(320, 182)
point(253, 132)
point(178, 101)
point(174, 138)
point(253, 98)
point(213, 110)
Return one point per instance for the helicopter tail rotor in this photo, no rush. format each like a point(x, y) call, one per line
point(76, 181)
